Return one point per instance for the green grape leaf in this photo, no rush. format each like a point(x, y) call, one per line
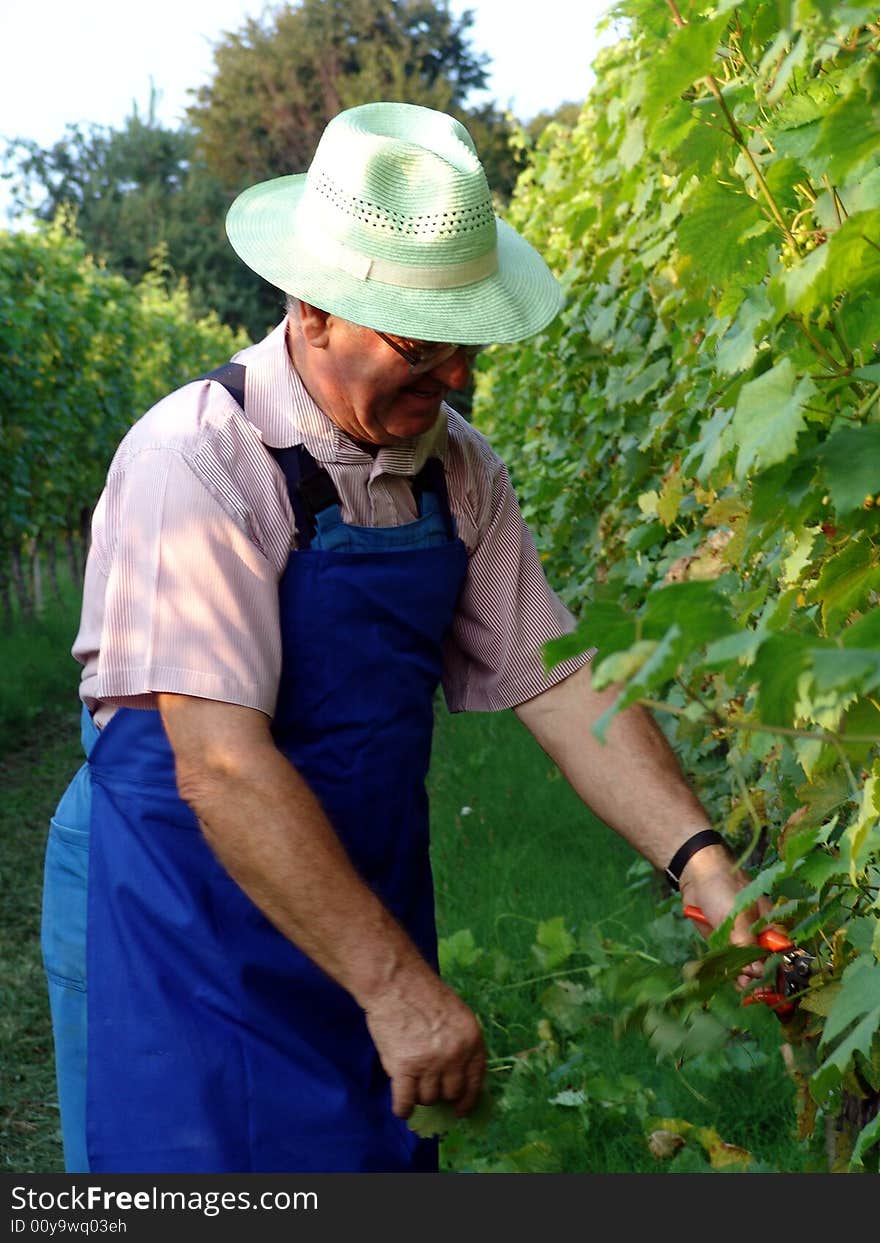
point(554, 944)
point(819, 868)
point(439, 1119)
point(458, 950)
point(848, 669)
point(819, 1000)
point(605, 625)
point(849, 135)
point(688, 54)
point(709, 449)
point(670, 499)
point(778, 666)
point(738, 347)
point(696, 607)
point(566, 1003)
point(863, 633)
point(856, 843)
point(868, 1137)
point(845, 582)
point(848, 262)
point(769, 415)
point(856, 1012)
point(861, 719)
point(620, 666)
point(808, 105)
point(859, 998)
point(712, 232)
point(670, 131)
point(851, 462)
point(734, 648)
point(655, 663)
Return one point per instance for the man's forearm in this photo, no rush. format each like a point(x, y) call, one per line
point(633, 781)
point(268, 830)
point(270, 833)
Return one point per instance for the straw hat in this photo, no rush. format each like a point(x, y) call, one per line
point(392, 227)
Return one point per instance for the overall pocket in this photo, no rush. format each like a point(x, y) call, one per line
point(65, 886)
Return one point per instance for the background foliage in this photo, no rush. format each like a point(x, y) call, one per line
point(695, 441)
point(82, 354)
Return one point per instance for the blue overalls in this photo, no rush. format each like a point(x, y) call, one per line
point(212, 1044)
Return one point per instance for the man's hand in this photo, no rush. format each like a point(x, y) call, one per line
point(711, 882)
point(429, 1042)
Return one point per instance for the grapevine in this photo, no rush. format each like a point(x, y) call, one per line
point(695, 442)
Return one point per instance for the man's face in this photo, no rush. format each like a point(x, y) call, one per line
point(365, 386)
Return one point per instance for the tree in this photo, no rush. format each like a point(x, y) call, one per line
point(123, 185)
point(279, 80)
point(566, 115)
point(137, 191)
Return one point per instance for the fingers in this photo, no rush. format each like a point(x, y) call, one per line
point(748, 975)
point(473, 1085)
point(460, 1086)
point(429, 1089)
point(404, 1095)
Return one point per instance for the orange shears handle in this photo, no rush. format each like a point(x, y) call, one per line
point(773, 938)
point(769, 997)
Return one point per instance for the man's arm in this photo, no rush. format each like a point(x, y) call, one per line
point(270, 833)
point(633, 783)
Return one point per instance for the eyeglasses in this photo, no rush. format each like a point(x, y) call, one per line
point(424, 356)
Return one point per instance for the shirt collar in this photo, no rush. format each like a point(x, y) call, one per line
point(277, 404)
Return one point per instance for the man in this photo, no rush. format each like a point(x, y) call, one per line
point(282, 569)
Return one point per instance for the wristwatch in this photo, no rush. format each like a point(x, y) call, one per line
point(685, 852)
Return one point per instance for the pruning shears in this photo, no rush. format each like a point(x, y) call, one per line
point(792, 976)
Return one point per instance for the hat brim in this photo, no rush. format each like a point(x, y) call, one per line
point(516, 301)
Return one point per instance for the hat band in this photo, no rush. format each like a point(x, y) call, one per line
point(403, 275)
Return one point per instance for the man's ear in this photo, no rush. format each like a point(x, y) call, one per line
point(313, 325)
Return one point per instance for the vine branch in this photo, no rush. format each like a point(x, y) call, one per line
point(760, 727)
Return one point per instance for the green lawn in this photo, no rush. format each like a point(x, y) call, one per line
point(32, 777)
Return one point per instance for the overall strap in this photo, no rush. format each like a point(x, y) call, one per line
point(309, 487)
point(231, 376)
point(432, 478)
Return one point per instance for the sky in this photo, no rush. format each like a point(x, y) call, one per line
point(90, 61)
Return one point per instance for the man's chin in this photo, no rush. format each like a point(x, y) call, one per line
point(412, 417)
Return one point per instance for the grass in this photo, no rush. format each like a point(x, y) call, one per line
point(39, 752)
point(512, 847)
point(38, 669)
point(32, 776)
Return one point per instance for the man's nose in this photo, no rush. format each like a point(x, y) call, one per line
point(455, 371)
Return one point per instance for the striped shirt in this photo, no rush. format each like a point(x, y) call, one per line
point(194, 527)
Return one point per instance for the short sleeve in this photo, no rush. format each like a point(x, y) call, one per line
point(190, 602)
point(507, 611)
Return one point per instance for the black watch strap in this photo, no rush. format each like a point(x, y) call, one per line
point(676, 865)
